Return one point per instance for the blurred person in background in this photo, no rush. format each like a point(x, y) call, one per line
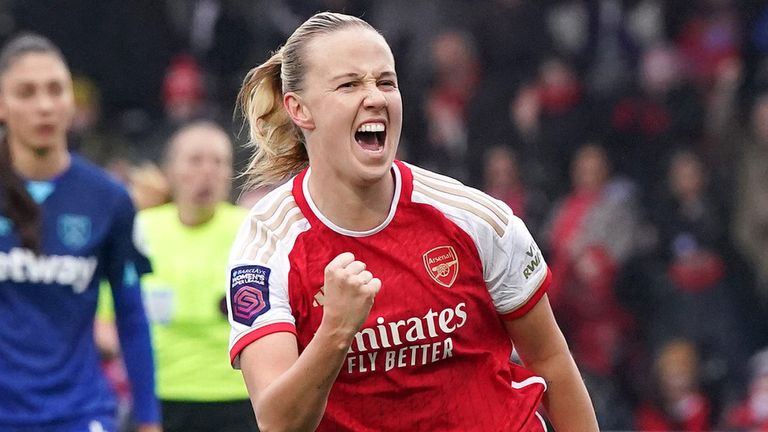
point(591, 235)
point(64, 226)
point(503, 180)
point(563, 124)
point(184, 95)
point(659, 111)
point(750, 222)
point(148, 185)
point(676, 401)
point(699, 303)
point(751, 413)
point(525, 129)
point(708, 37)
point(542, 119)
point(187, 242)
point(455, 76)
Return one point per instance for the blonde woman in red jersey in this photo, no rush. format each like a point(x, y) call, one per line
point(366, 294)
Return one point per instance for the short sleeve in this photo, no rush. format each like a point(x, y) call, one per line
point(257, 290)
point(515, 272)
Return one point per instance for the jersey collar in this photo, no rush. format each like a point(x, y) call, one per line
point(314, 216)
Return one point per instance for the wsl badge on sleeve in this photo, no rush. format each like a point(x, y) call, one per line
point(249, 293)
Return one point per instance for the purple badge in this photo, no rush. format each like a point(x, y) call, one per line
point(249, 293)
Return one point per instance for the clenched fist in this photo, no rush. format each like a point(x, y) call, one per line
point(349, 293)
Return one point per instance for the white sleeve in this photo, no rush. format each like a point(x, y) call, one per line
point(257, 277)
point(514, 269)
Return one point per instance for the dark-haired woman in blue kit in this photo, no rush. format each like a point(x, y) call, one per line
point(64, 226)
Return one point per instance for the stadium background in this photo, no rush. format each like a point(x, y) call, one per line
point(504, 94)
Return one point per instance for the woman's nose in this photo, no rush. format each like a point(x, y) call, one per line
point(375, 98)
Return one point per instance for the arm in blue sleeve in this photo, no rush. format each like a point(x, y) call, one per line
point(125, 264)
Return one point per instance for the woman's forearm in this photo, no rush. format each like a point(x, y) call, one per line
point(566, 400)
point(544, 351)
point(296, 399)
point(290, 392)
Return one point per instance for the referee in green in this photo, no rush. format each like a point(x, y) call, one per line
point(188, 242)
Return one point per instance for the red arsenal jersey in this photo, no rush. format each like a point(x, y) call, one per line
point(433, 354)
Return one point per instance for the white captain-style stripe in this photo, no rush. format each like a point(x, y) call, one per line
point(264, 210)
point(264, 225)
point(269, 222)
point(529, 381)
point(450, 193)
point(278, 233)
point(453, 187)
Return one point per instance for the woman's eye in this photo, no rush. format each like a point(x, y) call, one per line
point(25, 92)
point(347, 85)
point(387, 83)
point(56, 89)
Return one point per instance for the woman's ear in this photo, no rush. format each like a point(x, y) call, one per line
point(298, 111)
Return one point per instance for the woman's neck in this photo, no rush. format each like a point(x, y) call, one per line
point(352, 207)
point(41, 164)
point(192, 215)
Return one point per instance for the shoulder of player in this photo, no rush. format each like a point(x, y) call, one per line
point(161, 214)
point(89, 175)
point(454, 199)
point(268, 222)
point(90, 184)
point(274, 204)
point(83, 168)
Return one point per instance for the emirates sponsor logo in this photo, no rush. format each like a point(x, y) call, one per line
point(415, 341)
point(442, 265)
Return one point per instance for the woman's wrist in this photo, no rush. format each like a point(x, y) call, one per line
point(334, 335)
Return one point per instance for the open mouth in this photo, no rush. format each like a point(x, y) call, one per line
point(203, 194)
point(371, 136)
point(45, 129)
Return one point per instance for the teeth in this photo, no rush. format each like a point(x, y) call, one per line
point(372, 127)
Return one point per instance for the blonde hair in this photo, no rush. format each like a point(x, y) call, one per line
point(278, 143)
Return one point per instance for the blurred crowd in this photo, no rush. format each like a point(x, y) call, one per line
point(631, 137)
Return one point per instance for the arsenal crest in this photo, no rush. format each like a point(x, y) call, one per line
point(442, 265)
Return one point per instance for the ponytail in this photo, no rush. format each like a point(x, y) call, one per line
point(16, 203)
point(277, 142)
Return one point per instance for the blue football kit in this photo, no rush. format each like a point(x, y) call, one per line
point(50, 373)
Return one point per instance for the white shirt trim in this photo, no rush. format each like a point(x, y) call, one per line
point(528, 381)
